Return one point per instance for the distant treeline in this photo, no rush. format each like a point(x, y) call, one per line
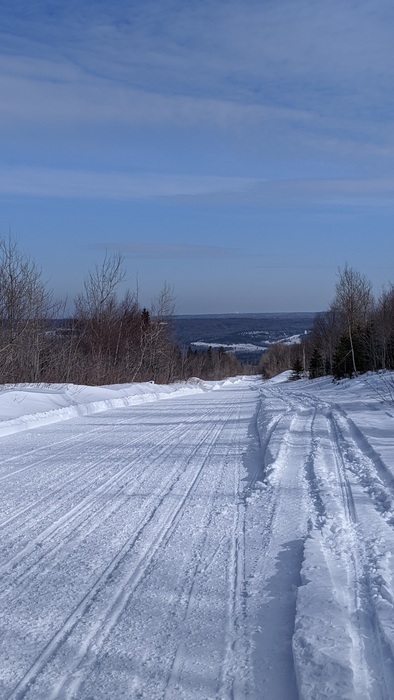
point(109, 339)
point(355, 335)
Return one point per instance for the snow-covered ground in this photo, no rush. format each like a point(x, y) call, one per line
point(246, 347)
point(233, 347)
point(233, 541)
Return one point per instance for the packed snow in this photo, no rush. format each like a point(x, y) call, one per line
point(234, 541)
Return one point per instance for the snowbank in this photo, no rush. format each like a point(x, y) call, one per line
point(25, 406)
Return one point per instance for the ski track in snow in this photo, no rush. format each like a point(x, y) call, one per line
point(231, 545)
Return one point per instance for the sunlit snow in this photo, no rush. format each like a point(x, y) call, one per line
point(233, 541)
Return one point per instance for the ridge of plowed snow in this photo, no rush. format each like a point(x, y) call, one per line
point(27, 406)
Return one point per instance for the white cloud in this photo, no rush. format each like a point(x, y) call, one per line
point(84, 184)
point(76, 184)
point(47, 92)
point(299, 58)
point(312, 77)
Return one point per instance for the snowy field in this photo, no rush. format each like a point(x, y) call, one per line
point(232, 541)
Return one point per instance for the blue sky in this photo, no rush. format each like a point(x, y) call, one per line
point(241, 151)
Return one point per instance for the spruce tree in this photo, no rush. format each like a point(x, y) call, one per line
point(316, 364)
point(297, 369)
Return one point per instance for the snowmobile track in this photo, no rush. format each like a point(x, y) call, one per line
point(129, 581)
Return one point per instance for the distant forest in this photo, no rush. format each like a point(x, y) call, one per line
point(108, 339)
point(355, 335)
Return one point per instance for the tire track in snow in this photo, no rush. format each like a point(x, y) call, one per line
point(175, 676)
point(375, 649)
point(27, 455)
point(351, 556)
point(129, 581)
point(99, 639)
point(359, 672)
point(232, 675)
point(277, 572)
point(366, 465)
point(90, 468)
point(233, 681)
point(49, 504)
point(59, 527)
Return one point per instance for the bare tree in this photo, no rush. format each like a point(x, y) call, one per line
point(110, 339)
point(383, 320)
point(325, 335)
point(353, 302)
point(25, 308)
point(97, 302)
point(276, 359)
point(104, 322)
point(157, 352)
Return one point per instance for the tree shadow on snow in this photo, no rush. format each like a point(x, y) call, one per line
point(273, 658)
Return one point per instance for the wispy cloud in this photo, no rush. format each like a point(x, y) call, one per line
point(123, 186)
point(76, 184)
point(260, 124)
point(301, 70)
point(235, 45)
point(59, 93)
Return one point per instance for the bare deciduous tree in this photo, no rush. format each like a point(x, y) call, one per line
point(353, 302)
point(25, 307)
point(278, 358)
point(110, 339)
point(383, 320)
point(325, 335)
point(103, 322)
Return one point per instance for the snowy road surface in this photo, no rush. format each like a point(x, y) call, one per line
point(230, 544)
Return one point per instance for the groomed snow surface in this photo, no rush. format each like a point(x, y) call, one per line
point(232, 541)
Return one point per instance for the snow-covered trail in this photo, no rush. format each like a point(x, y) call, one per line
point(342, 642)
point(122, 555)
point(234, 544)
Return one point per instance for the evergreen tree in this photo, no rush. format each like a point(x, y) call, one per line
point(316, 364)
point(297, 369)
point(145, 318)
point(348, 354)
